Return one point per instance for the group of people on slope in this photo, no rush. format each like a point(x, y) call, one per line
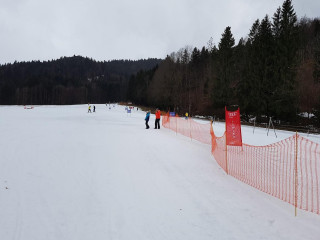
point(157, 121)
point(89, 108)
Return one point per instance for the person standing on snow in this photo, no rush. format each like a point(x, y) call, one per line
point(157, 122)
point(94, 108)
point(147, 119)
point(89, 108)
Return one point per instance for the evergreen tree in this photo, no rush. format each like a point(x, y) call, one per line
point(195, 57)
point(223, 92)
point(276, 23)
point(316, 72)
point(257, 87)
point(247, 87)
point(267, 80)
point(254, 31)
point(287, 46)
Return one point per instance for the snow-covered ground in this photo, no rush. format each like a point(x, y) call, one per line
point(66, 174)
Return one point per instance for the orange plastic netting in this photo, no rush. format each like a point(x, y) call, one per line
point(188, 127)
point(288, 170)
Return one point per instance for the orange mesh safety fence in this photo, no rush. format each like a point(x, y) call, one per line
point(188, 128)
point(218, 150)
point(288, 170)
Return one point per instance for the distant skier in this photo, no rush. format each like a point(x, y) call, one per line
point(89, 108)
point(157, 121)
point(94, 108)
point(147, 119)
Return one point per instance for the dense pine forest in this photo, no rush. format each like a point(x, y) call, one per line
point(274, 71)
point(68, 80)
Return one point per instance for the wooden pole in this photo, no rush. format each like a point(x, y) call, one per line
point(268, 126)
point(190, 128)
point(273, 128)
point(176, 125)
point(226, 150)
point(296, 176)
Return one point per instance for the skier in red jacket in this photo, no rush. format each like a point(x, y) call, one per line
point(157, 122)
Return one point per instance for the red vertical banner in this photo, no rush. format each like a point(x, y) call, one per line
point(233, 128)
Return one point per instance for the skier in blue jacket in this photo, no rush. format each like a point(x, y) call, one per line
point(147, 119)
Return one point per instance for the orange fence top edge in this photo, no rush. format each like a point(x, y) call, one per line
point(249, 145)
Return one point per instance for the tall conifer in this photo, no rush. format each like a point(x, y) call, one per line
point(222, 92)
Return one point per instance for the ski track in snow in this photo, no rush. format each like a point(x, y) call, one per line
point(77, 175)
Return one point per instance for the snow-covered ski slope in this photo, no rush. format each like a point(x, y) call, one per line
point(70, 175)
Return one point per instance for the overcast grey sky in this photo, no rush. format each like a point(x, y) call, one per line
point(125, 29)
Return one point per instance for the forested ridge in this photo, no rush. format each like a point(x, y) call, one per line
point(273, 72)
point(68, 80)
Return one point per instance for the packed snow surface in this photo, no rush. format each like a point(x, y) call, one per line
point(66, 174)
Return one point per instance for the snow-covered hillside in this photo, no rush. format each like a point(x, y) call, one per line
point(66, 174)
